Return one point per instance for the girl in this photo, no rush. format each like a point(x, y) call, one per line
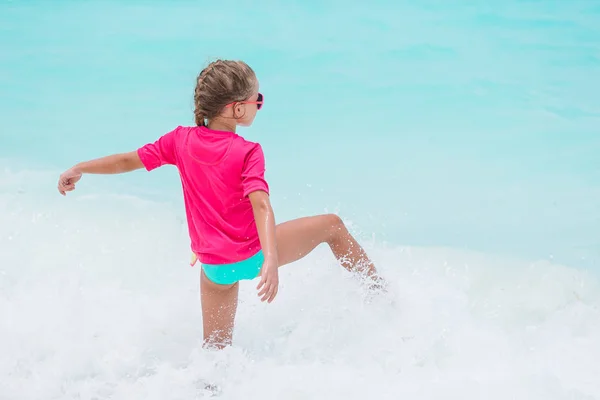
point(229, 215)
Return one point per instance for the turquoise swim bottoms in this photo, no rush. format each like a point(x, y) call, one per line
point(226, 274)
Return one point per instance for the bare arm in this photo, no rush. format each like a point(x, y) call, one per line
point(265, 223)
point(113, 164)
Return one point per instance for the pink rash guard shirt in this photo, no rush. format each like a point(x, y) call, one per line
point(218, 171)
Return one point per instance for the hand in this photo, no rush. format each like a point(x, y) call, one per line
point(67, 180)
point(269, 280)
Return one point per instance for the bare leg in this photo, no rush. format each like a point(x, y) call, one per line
point(297, 238)
point(219, 305)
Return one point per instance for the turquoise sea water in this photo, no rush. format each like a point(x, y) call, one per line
point(459, 140)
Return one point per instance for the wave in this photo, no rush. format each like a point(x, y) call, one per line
point(98, 301)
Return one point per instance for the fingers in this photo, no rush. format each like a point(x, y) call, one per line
point(263, 280)
point(65, 185)
point(63, 189)
point(264, 290)
point(273, 292)
point(268, 288)
point(266, 295)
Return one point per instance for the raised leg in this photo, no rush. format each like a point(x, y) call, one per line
point(297, 238)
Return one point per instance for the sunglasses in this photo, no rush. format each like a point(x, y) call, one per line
point(259, 102)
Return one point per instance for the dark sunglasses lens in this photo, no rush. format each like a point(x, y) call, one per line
point(260, 98)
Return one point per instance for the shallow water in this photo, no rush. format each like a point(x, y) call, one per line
point(98, 301)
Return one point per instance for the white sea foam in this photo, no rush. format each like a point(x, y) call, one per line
point(97, 301)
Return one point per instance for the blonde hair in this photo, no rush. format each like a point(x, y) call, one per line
point(220, 83)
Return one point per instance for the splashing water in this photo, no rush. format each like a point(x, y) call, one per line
point(98, 301)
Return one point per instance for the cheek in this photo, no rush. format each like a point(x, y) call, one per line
point(250, 113)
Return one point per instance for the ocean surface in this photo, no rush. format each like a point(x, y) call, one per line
point(458, 140)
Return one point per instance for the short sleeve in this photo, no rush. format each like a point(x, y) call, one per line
point(161, 152)
point(253, 173)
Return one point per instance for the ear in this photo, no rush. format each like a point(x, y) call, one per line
point(239, 111)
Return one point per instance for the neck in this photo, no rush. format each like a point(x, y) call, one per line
point(220, 125)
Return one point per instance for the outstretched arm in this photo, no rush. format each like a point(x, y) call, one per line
point(265, 224)
point(113, 164)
